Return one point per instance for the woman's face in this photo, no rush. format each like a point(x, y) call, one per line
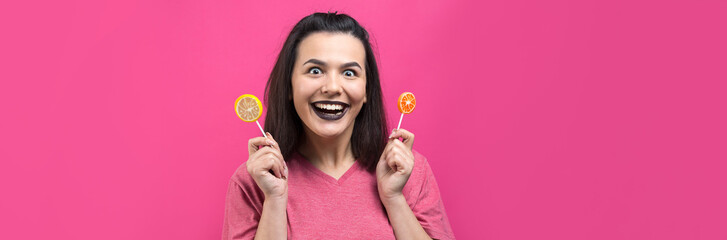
point(329, 83)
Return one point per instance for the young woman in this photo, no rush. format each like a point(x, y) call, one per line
point(327, 169)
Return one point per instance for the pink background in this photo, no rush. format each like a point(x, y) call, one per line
point(541, 119)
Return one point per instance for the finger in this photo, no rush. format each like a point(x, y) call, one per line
point(274, 165)
point(261, 163)
point(274, 144)
point(282, 168)
point(278, 166)
point(253, 145)
point(398, 164)
point(404, 134)
point(387, 149)
point(406, 155)
point(272, 141)
point(403, 147)
point(394, 161)
point(261, 153)
point(279, 163)
point(276, 149)
point(407, 162)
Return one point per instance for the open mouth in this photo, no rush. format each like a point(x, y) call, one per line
point(330, 110)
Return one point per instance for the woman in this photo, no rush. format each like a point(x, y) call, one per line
point(327, 169)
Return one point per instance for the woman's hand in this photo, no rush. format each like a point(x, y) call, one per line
point(267, 167)
point(395, 165)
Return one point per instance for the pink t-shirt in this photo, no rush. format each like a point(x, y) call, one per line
point(321, 207)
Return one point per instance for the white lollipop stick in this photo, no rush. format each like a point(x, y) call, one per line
point(261, 129)
point(400, 118)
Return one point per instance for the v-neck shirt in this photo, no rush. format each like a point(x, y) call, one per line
point(322, 207)
point(308, 166)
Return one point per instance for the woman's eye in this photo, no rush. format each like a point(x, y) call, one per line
point(349, 73)
point(314, 71)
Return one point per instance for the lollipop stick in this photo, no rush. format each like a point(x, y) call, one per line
point(400, 118)
point(261, 129)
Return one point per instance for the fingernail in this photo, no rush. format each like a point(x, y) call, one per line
point(269, 142)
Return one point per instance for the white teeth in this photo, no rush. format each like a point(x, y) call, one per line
point(329, 106)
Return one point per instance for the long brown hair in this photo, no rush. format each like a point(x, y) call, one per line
point(369, 132)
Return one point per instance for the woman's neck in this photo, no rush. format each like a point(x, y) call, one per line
point(328, 153)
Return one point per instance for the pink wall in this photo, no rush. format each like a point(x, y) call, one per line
point(541, 119)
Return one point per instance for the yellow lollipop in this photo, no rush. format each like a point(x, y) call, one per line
point(249, 109)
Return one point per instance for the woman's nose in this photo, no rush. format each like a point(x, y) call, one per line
point(332, 85)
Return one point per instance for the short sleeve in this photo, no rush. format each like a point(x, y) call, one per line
point(427, 206)
point(243, 206)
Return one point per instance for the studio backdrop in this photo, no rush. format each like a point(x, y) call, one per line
point(540, 119)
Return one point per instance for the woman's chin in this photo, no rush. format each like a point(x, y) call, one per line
point(328, 133)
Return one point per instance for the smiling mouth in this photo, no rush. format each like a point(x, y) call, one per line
point(330, 110)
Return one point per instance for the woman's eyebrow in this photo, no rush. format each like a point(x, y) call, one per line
point(351, 64)
point(322, 63)
point(315, 61)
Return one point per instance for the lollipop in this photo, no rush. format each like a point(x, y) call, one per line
point(406, 105)
point(249, 109)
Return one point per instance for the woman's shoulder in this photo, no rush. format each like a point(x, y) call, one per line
point(243, 194)
point(242, 178)
point(421, 164)
point(420, 174)
point(425, 200)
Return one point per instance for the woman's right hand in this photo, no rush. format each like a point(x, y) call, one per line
point(267, 167)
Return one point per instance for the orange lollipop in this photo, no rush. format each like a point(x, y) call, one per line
point(406, 104)
point(248, 108)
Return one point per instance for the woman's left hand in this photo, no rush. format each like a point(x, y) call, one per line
point(395, 165)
